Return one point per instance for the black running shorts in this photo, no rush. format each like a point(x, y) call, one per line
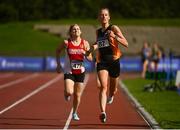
point(75, 77)
point(113, 68)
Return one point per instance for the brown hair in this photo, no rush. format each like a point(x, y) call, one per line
point(71, 27)
point(104, 9)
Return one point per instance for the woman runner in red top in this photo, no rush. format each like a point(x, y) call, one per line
point(107, 58)
point(74, 70)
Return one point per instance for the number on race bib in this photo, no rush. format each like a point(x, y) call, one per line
point(103, 43)
point(77, 65)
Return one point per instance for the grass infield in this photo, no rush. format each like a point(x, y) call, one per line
point(162, 105)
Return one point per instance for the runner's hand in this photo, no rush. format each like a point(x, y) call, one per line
point(111, 34)
point(58, 69)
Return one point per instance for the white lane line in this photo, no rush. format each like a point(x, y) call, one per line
point(32, 93)
point(70, 114)
point(18, 81)
point(6, 75)
point(148, 118)
point(68, 120)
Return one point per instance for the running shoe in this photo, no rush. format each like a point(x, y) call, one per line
point(110, 100)
point(103, 117)
point(75, 117)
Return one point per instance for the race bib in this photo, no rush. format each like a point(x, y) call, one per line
point(103, 43)
point(76, 65)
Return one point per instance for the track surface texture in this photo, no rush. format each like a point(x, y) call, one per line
point(36, 101)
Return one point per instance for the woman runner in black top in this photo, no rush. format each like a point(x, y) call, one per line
point(107, 58)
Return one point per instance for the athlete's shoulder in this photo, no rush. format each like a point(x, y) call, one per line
point(66, 41)
point(85, 41)
point(99, 29)
point(114, 27)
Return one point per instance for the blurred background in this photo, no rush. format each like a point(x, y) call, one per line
point(34, 28)
point(31, 30)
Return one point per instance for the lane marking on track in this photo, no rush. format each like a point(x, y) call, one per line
point(6, 75)
point(18, 81)
point(68, 120)
point(32, 93)
point(152, 123)
point(70, 114)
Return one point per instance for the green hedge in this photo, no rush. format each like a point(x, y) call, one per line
point(24, 10)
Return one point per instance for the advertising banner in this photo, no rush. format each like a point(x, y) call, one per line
point(127, 64)
point(21, 64)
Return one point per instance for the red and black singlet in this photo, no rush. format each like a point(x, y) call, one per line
point(76, 56)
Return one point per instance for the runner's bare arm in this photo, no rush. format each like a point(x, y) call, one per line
point(117, 34)
point(58, 52)
point(92, 48)
point(87, 48)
